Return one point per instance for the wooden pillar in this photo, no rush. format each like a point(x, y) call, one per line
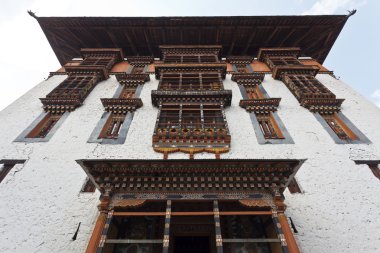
point(289, 237)
point(165, 248)
point(104, 218)
point(218, 232)
point(97, 233)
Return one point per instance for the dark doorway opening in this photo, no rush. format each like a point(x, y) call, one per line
point(192, 244)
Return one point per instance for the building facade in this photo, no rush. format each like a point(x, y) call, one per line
point(190, 134)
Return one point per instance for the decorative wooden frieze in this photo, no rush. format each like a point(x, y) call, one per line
point(249, 79)
point(60, 106)
point(121, 105)
point(260, 106)
point(100, 71)
point(221, 97)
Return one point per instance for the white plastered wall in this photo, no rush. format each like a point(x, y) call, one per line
point(41, 205)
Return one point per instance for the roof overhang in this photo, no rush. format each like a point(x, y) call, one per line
point(239, 35)
point(196, 176)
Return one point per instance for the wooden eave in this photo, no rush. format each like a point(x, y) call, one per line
point(142, 36)
point(112, 174)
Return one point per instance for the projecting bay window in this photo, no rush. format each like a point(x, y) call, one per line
point(44, 126)
point(269, 127)
point(191, 121)
point(112, 127)
point(190, 81)
point(74, 87)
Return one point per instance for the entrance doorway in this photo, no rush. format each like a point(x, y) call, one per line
point(191, 244)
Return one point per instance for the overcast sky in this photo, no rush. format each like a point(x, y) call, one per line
point(26, 57)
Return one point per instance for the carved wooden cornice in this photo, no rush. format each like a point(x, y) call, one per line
point(322, 106)
point(222, 97)
point(58, 106)
point(116, 53)
point(280, 71)
point(132, 79)
point(239, 59)
point(197, 67)
point(278, 52)
point(121, 106)
point(260, 106)
point(190, 176)
point(248, 78)
point(100, 71)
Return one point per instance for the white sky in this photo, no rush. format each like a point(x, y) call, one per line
point(26, 57)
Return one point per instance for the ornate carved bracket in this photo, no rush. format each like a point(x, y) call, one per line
point(260, 106)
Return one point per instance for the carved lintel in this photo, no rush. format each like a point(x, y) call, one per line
point(132, 79)
point(100, 71)
point(255, 202)
point(140, 60)
point(248, 78)
point(58, 106)
point(260, 106)
point(322, 106)
point(121, 105)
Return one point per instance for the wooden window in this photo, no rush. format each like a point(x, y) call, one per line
point(294, 187)
point(339, 127)
point(307, 86)
point(98, 61)
point(44, 126)
point(254, 93)
point(4, 170)
point(88, 186)
point(112, 127)
point(73, 87)
point(191, 120)
point(190, 58)
point(281, 61)
point(190, 81)
point(241, 68)
point(127, 93)
point(269, 127)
